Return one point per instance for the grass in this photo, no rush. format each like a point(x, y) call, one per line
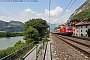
point(46, 40)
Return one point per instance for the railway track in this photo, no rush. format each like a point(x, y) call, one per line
point(79, 41)
point(79, 44)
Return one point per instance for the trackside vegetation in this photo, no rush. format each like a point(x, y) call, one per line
point(10, 50)
point(34, 30)
point(58, 27)
point(31, 35)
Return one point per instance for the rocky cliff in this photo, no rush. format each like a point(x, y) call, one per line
point(82, 8)
point(13, 26)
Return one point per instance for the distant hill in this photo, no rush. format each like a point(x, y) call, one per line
point(83, 12)
point(16, 26)
point(13, 26)
point(84, 15)
point(52, 26)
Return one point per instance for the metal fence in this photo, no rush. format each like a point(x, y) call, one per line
point(18, 53)
point(45, 51)
point(23, 58)
point(38, 48)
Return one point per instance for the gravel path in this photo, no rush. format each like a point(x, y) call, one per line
point(63, 51)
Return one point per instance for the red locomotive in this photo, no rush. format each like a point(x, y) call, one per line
point(66, 30)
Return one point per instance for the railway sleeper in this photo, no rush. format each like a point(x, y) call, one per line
point(84, 51)
point(79, 42)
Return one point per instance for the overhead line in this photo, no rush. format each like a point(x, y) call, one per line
point(64, 10)
point(71, 6)
point(68, 8)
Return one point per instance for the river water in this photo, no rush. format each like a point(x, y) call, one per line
point(9, 42)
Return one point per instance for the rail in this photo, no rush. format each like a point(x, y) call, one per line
point(70, 42)
point(38, 48)
point(84, 38)
point(50, 51)
point(77, 41)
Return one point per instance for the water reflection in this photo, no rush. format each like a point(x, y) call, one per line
point(9, 41)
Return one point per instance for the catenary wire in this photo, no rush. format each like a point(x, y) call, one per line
point(64, 10)
point(68, 9)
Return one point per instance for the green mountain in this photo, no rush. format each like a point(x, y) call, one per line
point(83, 12)
point(13, 26)
point(82, 15)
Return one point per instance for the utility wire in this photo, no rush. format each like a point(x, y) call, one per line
point(70, 6)
point(68, 9)
point(64, 10)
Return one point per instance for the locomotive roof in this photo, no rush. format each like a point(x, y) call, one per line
point(67, 26)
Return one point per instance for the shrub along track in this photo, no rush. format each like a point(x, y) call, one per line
point(70, 49)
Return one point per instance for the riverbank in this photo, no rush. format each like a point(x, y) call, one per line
point(6, 42)
point(10, 50)
point(10, 34)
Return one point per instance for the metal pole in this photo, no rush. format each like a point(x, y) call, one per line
point(49, 14)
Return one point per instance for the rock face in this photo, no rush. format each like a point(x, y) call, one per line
point(83, 7)
point(13, 26)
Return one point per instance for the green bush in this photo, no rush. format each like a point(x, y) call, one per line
point(9, 50)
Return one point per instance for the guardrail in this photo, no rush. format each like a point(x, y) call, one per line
point(29, 53)
point(18, 53)
point(50, 51)
point(45, 51)
point(38, 48)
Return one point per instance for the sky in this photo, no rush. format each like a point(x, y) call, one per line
point(23, 11)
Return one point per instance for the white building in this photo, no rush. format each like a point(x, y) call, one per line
point(82, 29)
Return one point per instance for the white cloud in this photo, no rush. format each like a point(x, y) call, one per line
point(39, 14)
point(27, 14)
point(57, 20)
point(29, 10)
point(67, 10)
point(9, 18)
point(54, 12)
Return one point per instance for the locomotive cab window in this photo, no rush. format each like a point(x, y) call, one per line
point(69, 28)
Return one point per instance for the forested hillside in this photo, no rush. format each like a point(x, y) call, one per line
point(83, 12)
point(82, 15)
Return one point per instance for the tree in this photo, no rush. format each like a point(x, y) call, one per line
point(58, 27)
point(31, 35)
point(38, 24)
